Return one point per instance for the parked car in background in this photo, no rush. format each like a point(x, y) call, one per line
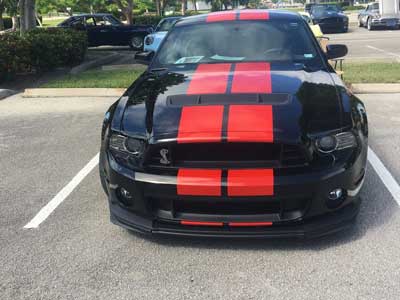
point(330, 18)
point(371, 18)
point(153, 40)
point(308, 6)
point(314, 27)
point(105, 29)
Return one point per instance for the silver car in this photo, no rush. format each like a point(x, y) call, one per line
point(372, 18)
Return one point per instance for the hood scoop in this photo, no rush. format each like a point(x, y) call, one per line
point(221, 99)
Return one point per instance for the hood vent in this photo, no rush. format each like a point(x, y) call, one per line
point(221, 99)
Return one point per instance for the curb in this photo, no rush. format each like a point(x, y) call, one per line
point(73, 92)
point(94, 63)
point(6, 93)
point(375, 88)
point(137, 67)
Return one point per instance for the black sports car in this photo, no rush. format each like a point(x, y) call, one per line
point(239, 127)
point(105, 29)
point(330, 18)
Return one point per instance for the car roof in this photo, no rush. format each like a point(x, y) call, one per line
point(231, 15)
point(93, 15)
point(172, 18)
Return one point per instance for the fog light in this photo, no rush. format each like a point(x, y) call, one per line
point(335, 198)
point(335, 194)
point(125, 194)
point(125, 197)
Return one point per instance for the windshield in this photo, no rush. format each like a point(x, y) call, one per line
point(273, 41)
point(166, 24)
point(322, 9)
point(375, 6)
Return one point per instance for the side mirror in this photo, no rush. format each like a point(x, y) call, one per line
point(336, 51)
point(144, 58)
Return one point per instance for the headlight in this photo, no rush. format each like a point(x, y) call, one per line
point(149, 40)
point(340, 141)
point(126, 150)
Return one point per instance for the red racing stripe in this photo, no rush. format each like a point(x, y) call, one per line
point(250, 123)
point(249, 224)
point(209, 79)
point(199, 182)
point(197, 223)
point(221, 16)
point(252, 78)
point(253, 15)
point(200, 124)
point(252, 182)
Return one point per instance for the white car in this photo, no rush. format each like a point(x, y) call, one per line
point(153, 40)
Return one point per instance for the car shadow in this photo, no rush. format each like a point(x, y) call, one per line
point(377, 208)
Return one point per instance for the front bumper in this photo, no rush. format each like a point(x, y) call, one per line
point(312, 220)
point(385, 22)
point(316, 227)
point(333, 27)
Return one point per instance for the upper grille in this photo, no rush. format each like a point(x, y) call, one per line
point(332, 20)
point(229, 155)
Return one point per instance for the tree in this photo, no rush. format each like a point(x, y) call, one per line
point(183, 7)
point(2, 8)
point(195, 5)
point(27, 14)
point(12, 11)
point(126, 7)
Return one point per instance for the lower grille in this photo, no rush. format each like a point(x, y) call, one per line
point(200, 207)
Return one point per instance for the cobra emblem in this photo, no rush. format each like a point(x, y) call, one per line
point(164, 159)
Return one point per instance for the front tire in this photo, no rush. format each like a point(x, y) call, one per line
point(136, 43)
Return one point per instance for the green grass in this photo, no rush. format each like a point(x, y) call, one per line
point(51, 22)
point(371, 72)
point(353, 73)
point(96, 79)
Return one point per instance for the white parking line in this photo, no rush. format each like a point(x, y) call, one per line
point(384, 51)
point(384, 175)
point(60, 197)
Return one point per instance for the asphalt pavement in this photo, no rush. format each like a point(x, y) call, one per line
point(76, 253)
point(369, 45)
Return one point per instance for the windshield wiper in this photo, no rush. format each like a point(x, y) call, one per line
point(158, 69)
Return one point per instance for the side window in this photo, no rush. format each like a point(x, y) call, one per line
point(77, 21)
point(100, 21)
point(90, 21)
point(368, 7)
point(107, 21)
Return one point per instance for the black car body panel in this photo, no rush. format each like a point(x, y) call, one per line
point(172, 189)
point(104, 29)
point(329, 20)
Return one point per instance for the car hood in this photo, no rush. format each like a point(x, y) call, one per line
point(159, 34)
point(302, 102)
point(329, 14)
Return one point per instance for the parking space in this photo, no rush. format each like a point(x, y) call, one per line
point(76, 253)
point(369, 45)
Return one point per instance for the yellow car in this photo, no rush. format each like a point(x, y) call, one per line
point(314, 27)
